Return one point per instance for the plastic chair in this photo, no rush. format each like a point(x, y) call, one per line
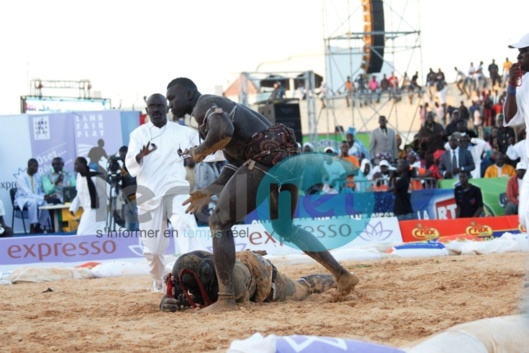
point(22, 212)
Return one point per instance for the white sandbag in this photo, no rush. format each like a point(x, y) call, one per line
point(420, 249)
point(339, 254)
point(497, 245)
point(120, 268)
point(520, 238)
point(356, 254)
point(504, 334)
point(307, 344)
point(5, 282)
point(46, 274)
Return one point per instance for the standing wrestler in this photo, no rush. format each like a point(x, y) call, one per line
point(241, 132)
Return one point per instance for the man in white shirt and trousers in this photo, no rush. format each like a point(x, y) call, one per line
point(516, 111)
point(154, 158)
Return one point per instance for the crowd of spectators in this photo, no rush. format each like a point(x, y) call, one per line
point(485, 93)
point(452, 140)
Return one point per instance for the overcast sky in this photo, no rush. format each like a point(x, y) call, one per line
point(133, 48)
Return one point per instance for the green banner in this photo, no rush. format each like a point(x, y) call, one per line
point(335, 139)
point(491, 189)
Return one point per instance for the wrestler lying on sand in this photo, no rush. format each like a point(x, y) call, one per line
point(193, 282)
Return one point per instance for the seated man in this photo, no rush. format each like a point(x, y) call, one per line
point(31, 195)
point(513, 189)
point(500, 168)
point(193, 282)
point(55, 180)
point(5, 231)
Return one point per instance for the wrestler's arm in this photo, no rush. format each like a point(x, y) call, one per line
point(225, 174)
point(199, 198)
point(219, 131)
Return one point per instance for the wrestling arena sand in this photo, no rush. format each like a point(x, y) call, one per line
point(397, 301)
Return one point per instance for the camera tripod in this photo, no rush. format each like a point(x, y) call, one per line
point(113, 179)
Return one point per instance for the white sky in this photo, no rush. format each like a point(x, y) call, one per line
point(129, 49)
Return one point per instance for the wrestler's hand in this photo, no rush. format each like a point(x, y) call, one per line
point(192, 153)
point(197, 200)
point(515, 74)
point(169, 304)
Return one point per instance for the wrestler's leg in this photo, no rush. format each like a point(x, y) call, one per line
point(318, 283)
point(261, 271)
point(345, 280)
point(287, 289)
point(236, 200)
point(243, 283)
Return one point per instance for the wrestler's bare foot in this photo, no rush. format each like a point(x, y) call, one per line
point(221, 305)
point(346, 282)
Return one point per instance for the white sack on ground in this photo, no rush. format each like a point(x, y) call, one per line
point(120, 268)
point(504, 334)
point(47, 274)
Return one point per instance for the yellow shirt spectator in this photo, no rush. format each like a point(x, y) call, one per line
point(495, 171)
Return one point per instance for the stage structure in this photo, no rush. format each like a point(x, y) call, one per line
point(365, 38)
point(300, 86)
point(37, 103)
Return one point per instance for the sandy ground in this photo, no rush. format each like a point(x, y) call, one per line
point(397, 301)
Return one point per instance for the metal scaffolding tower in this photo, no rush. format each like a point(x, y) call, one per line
point(351, 45)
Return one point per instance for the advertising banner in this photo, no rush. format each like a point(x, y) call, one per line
point(52, 136)
point(72, 250)
point(98, 135)
point(464, 228)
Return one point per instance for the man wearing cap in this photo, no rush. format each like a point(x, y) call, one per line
point(516, 110)
point(513, 189)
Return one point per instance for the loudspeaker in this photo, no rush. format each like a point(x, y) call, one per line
point(287, 114)
point(373, 57)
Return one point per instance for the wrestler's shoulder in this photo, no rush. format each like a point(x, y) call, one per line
point(206, 101)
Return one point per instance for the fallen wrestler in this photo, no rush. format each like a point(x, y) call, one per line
point(193, 282)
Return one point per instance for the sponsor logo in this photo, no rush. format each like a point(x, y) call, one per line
point(423, 232)
point(58, 250)
point(479, 230)
point(375, 232)
point(445, 209)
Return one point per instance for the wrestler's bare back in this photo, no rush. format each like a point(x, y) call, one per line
point(245, 122)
